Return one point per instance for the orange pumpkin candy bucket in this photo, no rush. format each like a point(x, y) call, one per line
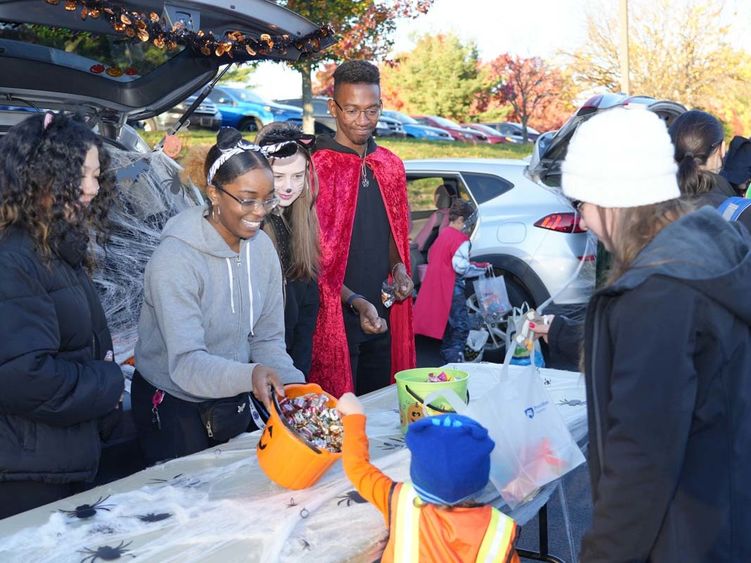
point(283, 455)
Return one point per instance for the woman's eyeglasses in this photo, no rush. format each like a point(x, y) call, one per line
point(254, 204)
point(576, 204)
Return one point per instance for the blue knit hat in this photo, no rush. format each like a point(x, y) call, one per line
point(450, 458)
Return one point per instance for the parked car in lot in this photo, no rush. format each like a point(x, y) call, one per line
point(247, 111)
point(529, 233)
point(493, 136)
point(550, 148)
point(325, 122)
point(205, 116)
point(458, 132)
point(416, 130)
point(514, 131)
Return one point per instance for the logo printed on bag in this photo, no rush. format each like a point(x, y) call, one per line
point(530, 412)
point(241, 408)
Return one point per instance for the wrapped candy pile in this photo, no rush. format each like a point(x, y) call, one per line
point(313, 421)
point(438, 378)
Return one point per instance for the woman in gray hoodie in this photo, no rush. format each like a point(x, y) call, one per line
point(212, 320)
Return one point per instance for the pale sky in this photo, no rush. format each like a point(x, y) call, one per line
point(522, 27)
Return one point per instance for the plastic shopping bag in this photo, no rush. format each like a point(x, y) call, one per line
point(492, 297)
point(475, 345)
point(533, 446)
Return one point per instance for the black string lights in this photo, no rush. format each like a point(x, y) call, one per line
point(149, 27)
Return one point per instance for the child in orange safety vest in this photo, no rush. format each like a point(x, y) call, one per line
point(432, 518)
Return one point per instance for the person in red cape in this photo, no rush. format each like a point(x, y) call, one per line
point(360, 342)
point(441, 310)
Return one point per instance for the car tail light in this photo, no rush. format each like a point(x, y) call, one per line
point(561, 222)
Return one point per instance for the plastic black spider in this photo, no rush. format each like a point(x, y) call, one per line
point(179, 480)
point(88, 510)
point(102, 530)
point(154, 517)
point(105, 552)
point(350, 497)
point(392, 444)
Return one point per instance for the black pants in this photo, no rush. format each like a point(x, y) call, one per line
point(300, 314)
point(20, 496)
point(370, 358)
point(181, 433)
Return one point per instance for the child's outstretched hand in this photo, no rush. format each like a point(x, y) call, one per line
point(349, 404)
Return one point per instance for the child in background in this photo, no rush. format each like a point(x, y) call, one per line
point(440, 309)
point(432, 518)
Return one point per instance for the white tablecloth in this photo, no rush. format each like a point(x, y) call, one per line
point(217, 505)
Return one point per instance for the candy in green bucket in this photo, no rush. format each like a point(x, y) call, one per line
point(413, 385)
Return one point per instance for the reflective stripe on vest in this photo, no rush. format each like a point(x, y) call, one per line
point(496, 543)
point(498, 538)
point(406, 526)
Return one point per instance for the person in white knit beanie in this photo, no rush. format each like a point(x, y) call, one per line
point(667, 354)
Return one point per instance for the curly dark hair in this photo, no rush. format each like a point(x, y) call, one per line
point(41, 170)
point(356, 72)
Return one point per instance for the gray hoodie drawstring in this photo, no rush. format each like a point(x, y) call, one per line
point(231, 285)
point(250, 284)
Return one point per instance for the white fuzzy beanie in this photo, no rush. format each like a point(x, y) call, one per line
point(621, 158)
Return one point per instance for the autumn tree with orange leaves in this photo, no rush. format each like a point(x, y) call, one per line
point(532, 88)
point(364, 30)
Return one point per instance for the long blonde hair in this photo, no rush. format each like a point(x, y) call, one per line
point(635, 227)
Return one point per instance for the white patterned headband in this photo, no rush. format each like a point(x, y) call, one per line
point(278, 150)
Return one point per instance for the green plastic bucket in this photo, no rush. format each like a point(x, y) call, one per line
point(412, 386)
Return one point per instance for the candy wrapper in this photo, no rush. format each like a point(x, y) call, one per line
point(312, 420)
point(388, 294)
point(438, 378)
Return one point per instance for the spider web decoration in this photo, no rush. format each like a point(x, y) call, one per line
point(149, 193)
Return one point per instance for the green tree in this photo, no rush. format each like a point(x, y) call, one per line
point(239, 73)
point(364, 29)
point(440, 76)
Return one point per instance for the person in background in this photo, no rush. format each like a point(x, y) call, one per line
point(294, 232)
point(430, 230)
point(212, 322)
point(441, 306)
point(359, 342)
point(59, 388)
point(699, 141)
point(667, 354)
point(433, 517)
point(736, 168)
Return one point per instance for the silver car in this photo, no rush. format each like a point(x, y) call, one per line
point(528, 232)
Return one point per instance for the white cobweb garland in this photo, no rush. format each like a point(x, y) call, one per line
point(149, 192)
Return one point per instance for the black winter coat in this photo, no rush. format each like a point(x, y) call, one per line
point(668, 371)
point(54, 385)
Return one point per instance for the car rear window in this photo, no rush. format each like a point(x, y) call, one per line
point(485, 187)
point(116, 57)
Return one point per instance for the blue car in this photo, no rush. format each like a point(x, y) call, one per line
point(417, 130)
point(247, 111)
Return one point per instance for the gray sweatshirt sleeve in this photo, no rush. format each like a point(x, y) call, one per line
point(267, 345)
point(173, 287)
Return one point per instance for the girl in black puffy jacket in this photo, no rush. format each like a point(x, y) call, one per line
point(58, 384)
